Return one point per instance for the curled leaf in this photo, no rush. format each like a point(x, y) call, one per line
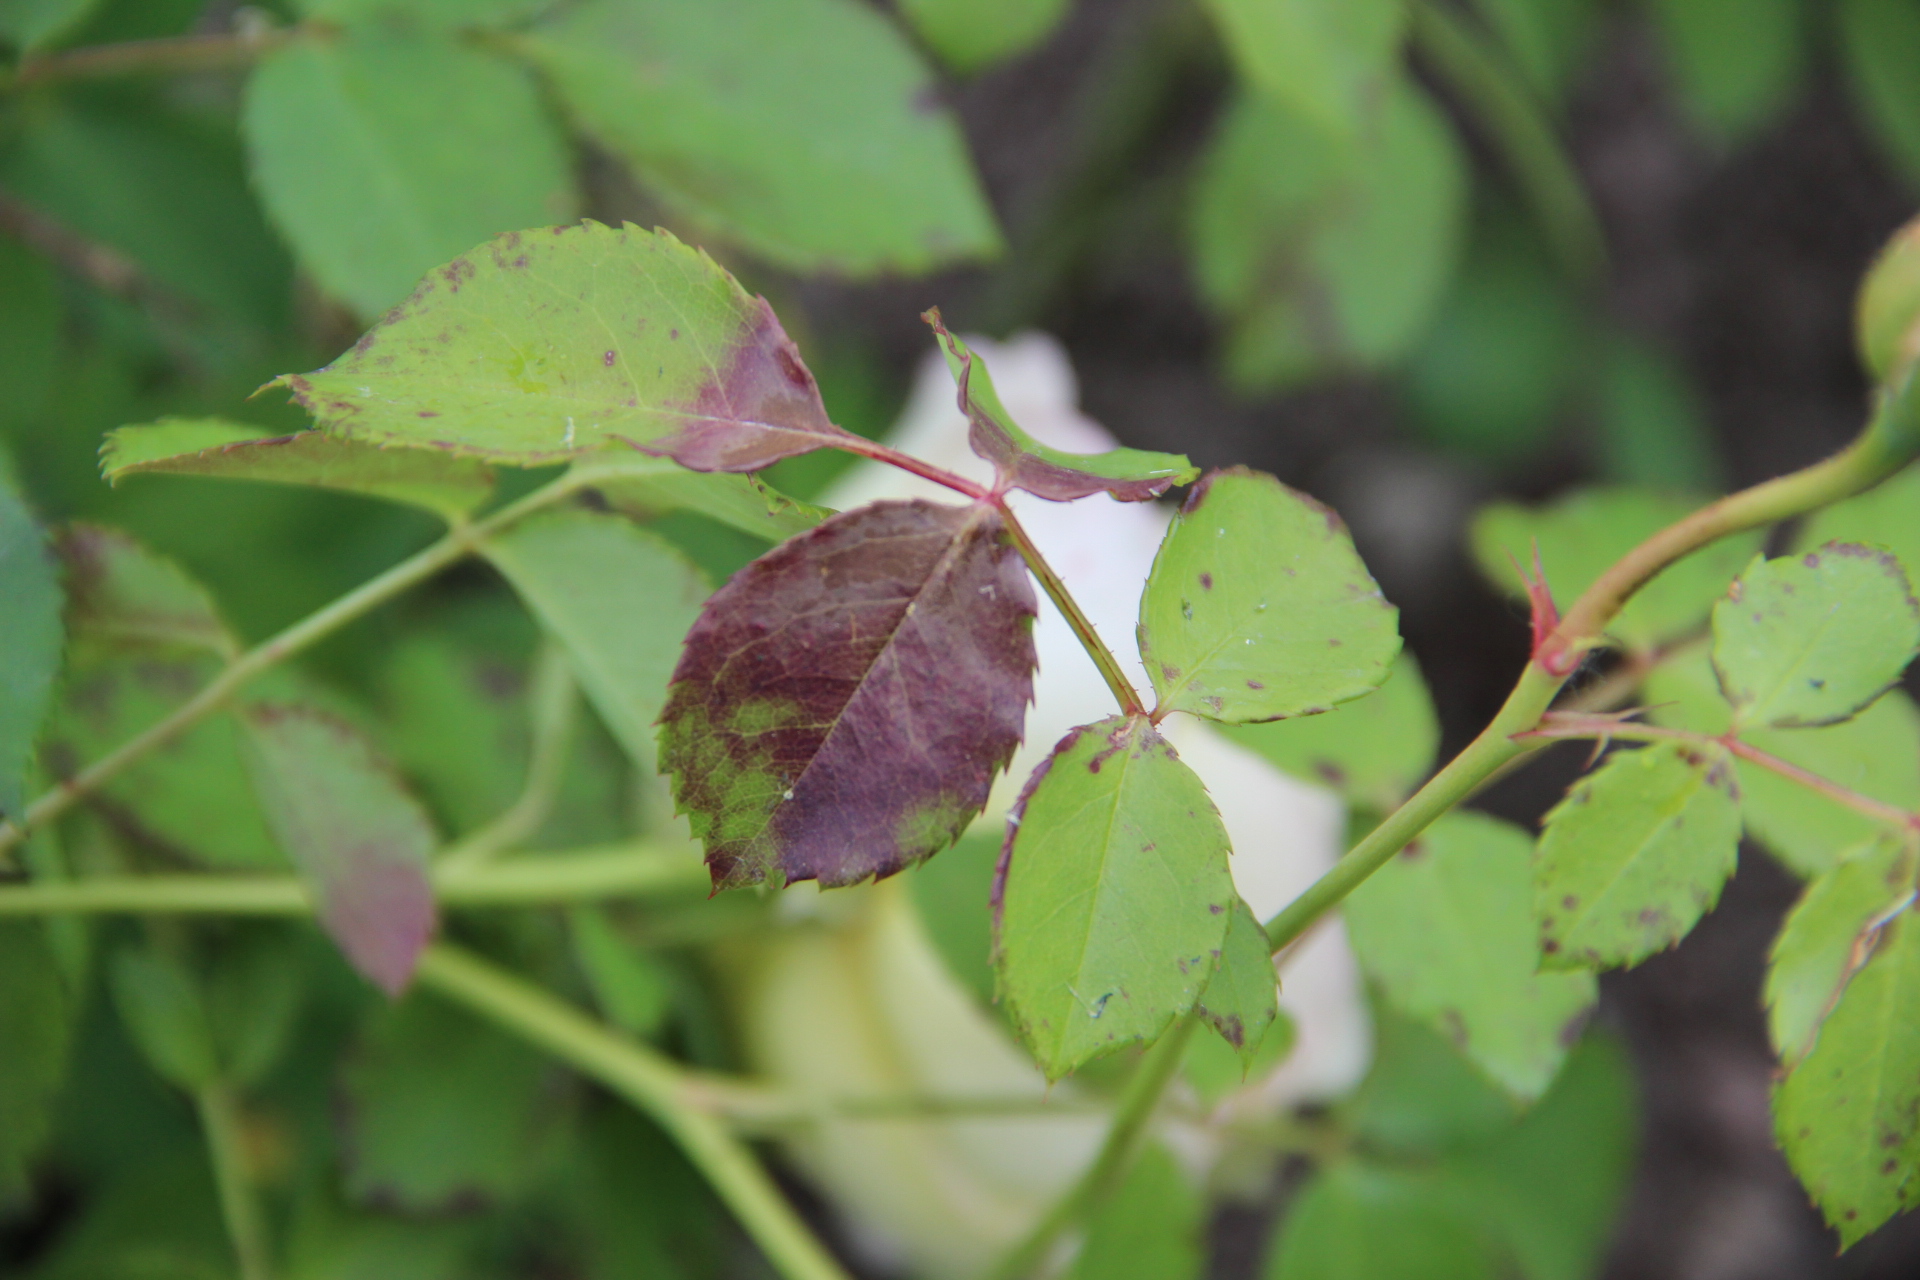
point(843, 704)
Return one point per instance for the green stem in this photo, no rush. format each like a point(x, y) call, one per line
point(650, 1081)
point(1519, 128)
point(1110, 670)
point(555, 701)
point(624, 871)
point(174, 55)
point(226, 1146)
point(458, 543)
point(1099, 1180)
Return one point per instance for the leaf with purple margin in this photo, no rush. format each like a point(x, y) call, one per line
point(445, 484)
point(1242, 998)
point(359, 839)
point(1021, 462)
point(1113, 896)
point(545, 344)
point(843, 704)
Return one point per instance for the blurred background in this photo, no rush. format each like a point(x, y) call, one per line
point(1410, 258)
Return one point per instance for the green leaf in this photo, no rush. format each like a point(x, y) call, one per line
point(381, 152)
point(1331, 61)
point(361, 842)
point(631, 988)
point(646, 487)
point(1652, 426)
point(122, 595)
point(1422, 1097)
point(618, 598)
point(844, 702)
point(32, 334)
point(450, 15)
point(30, 25)
point(1215, 1069)
point(331, 1242)
point(1113, 895)
point(1827, 937)
point(30, 641)
point(1547, 39)
point(1356, 1221)
point(1447, 930)
point(1847, 1115)
point(1880, 48)
point(1812, 639)
point(1737, 61)
point(161, 1006)
point(805, 130)
point(1635, 854)
point(447, 485)
point(1021, 462)
point(37, 1014)
point(971, 34)
point(442, 1111)
point(1877, 753)
point(1258, 607)
point(1326, 258)
point(1374, 750)
point(1151, 1228)
point(1242, 998)
point(542, 345)
point(253, 993)
point(1887, 515)
point(1581, 535)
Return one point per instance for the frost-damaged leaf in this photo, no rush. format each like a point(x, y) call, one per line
point(541, 345)
point(1242, 998)
point(29, 640)
point(645, 487)
point(443, 483)
point(121, 594)
point(843, 704)
point(807, 131)
point(1812, 639)
point(1113, 897)
point(1581, 535)
point(1634, 855)
point(1877, 753)
point(359, 839)
point(1258, 606)
point(1374, 750)
point(1829, 935)
point(1447, 930)
point(1847, 1115)
point(1021, 462)
point(619, 598)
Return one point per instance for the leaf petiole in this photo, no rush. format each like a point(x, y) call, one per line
point(1110, 670)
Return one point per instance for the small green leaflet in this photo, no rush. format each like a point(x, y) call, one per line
point(645, 487)
point(252, 992)
point(1829, 935)
point(160, 1004)
point(1634, 855)
point(1582, 534)
point(1812, 639)
point(360, 840)
point(446, 484)
point(1241, 1000)
point(1021, 462)
point(806, 131)
point(970, 35)
point(619, 598)
point(1447, 930)
point(1258, 607)
point(30, 641)
point(1374, 750)
point(1846, 1116)
point(1326, 257)
point(1152, 1228)
point(1357, 1221)
point(632, 988)
point(1113, 897)
point(1331, 61)
point(381, 151)
point(1877, 753)
point(541, 345)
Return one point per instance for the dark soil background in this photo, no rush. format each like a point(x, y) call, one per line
point(1744, 264)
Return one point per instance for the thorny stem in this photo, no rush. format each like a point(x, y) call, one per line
point(620, 871)
point(459, 542)
point(649, 1080)
point(1110, 671)
point(225, 1133)
point(1099, 1180)
point(1561, 728)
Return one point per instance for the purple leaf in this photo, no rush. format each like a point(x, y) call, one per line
point(1021, 462)
point(843, 704)
point(361, 842)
